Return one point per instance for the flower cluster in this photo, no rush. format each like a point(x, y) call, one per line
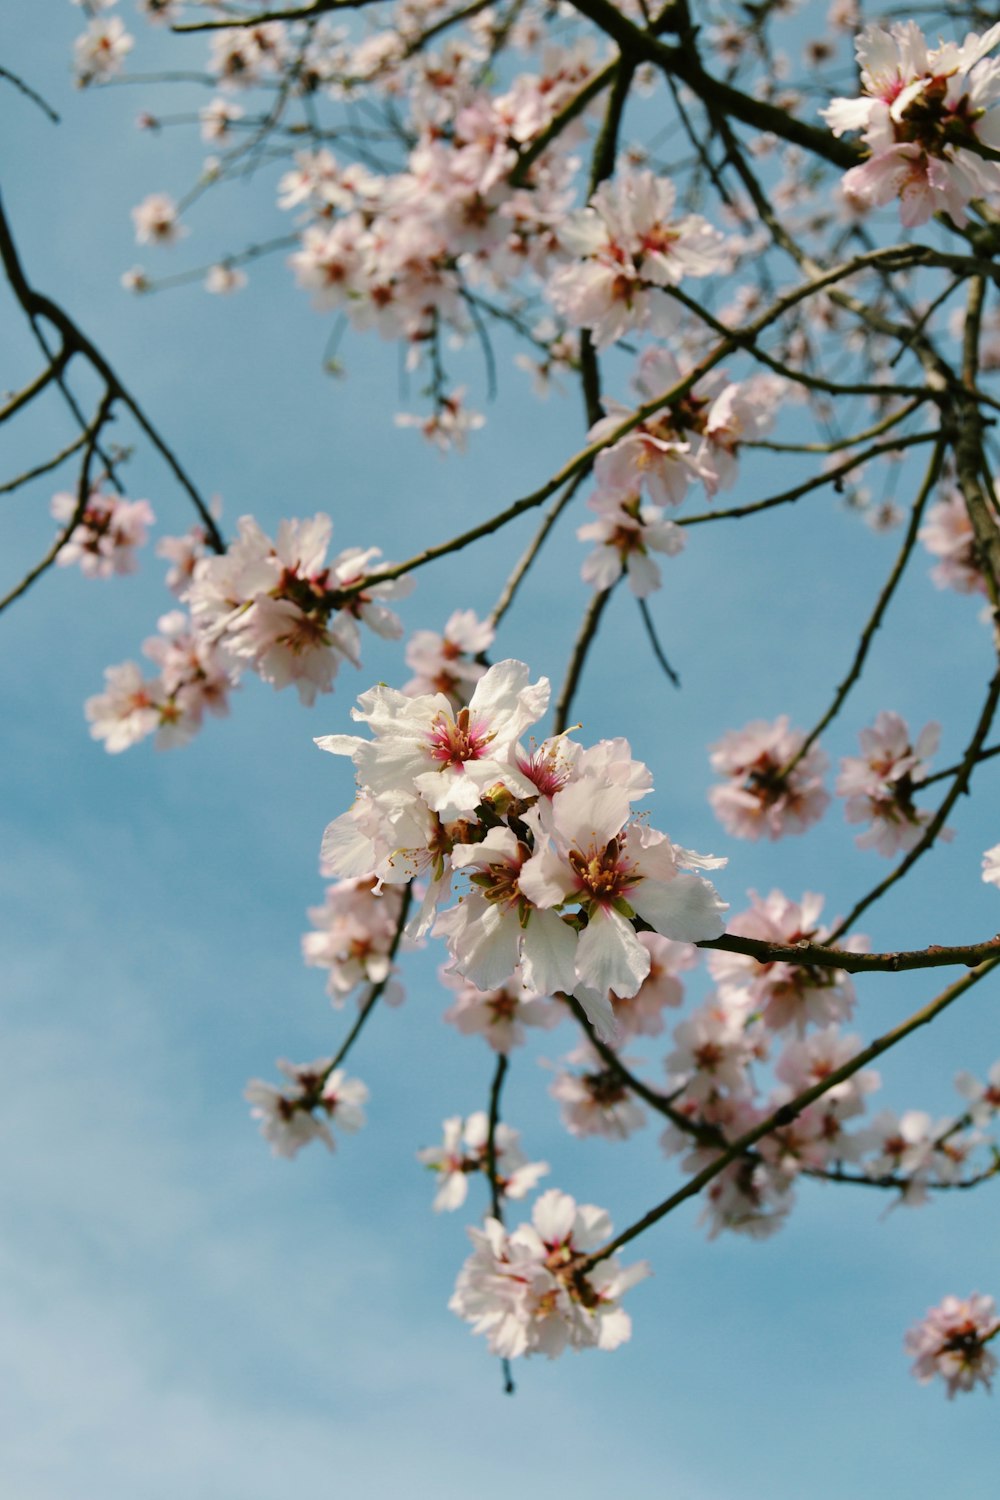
point(951, 1341)
point(193, 678)
point(105, 536)
point(773, 789)
point(558, 867)
point(948, 534)
point(447, 663)
point(879, 784)
point(320, 1095)
point(693, 438)
point(533, 1291)
point(630, 246)
point(926, 115)
point(465, 1151)
point(355, 932)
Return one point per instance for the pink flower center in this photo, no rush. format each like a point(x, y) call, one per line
point(605, 875)
point(454, 741)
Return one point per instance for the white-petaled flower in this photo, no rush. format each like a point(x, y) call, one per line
point(356, 927)
point(465, 1150)
point(625, 533)
point(641, 1014)
point(629, 246)
point(101, 51)
point(446, 663)
point(614, 869)
point(156, 221)
point(948, 534)
point(290, 1119)
point(991, 865)
point(450, 759)
point(926, 114)
point(982, 1099)
point(950, 1341)
point(527, 1292)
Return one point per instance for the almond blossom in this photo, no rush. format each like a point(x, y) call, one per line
point(156, 221)
point(786, 994)
point(446, 663)
point(762, 797)
point(629, 247)
point(951, 1341)
point(104, 539)
point(465, 1151)
point(289, 1119)
point(596, 1100)
point(527, 1292)
point(879, 784)
point(498, 1015)
point(101, 51)
point(991, 865)
point(284, 610)
point(641, 1014)
point(924, 112)
point(625, 533)
point(355, 929)
point(948, 534)
point(450, 759)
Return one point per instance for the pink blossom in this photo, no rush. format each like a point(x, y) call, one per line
point(448, 424)
point(950, 1341)
point(923, 112)
point(641, 1014)
point(156, 221)
point(948, 534)
point(879, 784)
point(625, 534)
point(629, 247)
point(762, 798)
point(446, 663)
point(525, 1291)
point(355, 929)
point(104, 539)
point(289, 1119)
point(464, 1151)
point(499, 1015)
point(596, 1100)
point(127, 711)
point(786, 994)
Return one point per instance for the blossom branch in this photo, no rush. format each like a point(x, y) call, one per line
point(878, 613)
point(794, 1107)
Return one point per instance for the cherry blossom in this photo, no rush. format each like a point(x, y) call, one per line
point(629, 247)
point(101, 51)
point(625, 533)
point(526, 1291)
point(446, 663)
point(948, 534)
point(951, 1341)
point(762, 797)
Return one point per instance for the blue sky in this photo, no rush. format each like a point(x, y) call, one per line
point(181, 1313)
